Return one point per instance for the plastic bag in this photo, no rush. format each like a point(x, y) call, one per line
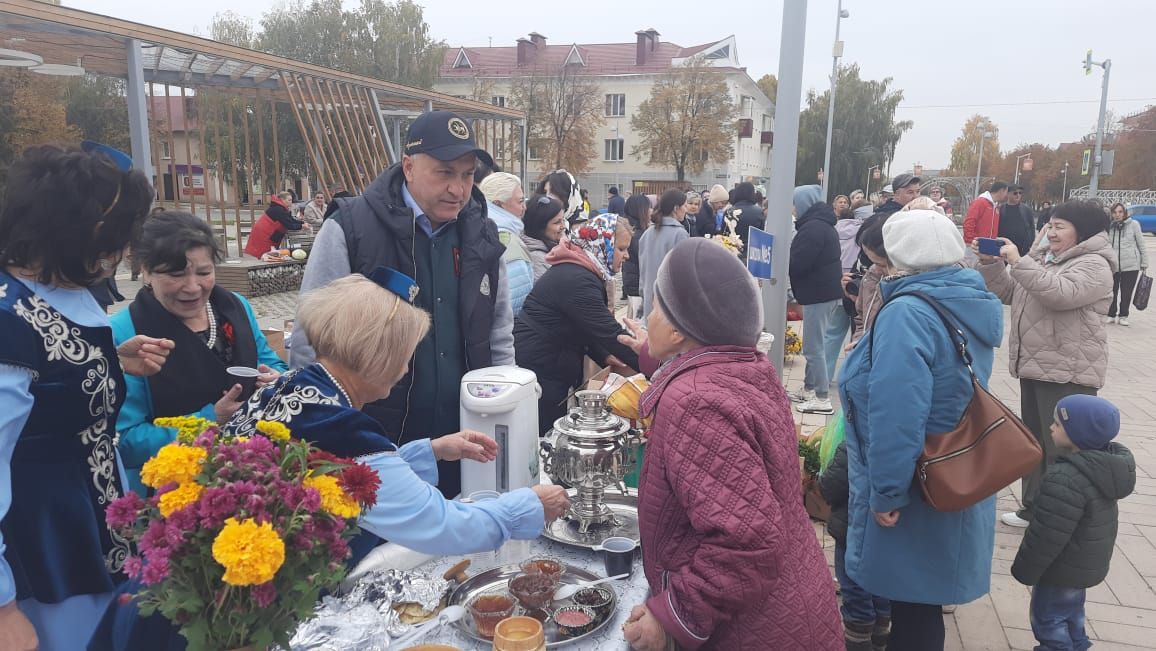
point(833, 435)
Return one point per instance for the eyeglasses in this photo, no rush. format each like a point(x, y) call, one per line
point(1017, 193)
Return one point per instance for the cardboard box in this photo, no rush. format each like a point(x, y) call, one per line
point(276, 339)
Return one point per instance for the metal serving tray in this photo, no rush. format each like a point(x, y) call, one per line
point(496, 579)
point(565, 530)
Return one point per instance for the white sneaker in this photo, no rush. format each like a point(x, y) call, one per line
point(1109, 319)
point(816, 406)
point(947, 610)
point(802, 395)
point(1012, 519)
point(1123, 321)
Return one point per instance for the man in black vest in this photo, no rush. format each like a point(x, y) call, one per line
point(424, 218)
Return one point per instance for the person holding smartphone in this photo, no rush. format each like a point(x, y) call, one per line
point(1057, 342)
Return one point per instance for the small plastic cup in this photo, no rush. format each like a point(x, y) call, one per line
point(618, 555)
point(246, 377)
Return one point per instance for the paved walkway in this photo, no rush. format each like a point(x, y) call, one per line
point(1121, 612)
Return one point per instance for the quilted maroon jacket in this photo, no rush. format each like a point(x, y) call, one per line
point(730, 554)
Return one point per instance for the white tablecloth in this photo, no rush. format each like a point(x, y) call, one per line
point(631, 592)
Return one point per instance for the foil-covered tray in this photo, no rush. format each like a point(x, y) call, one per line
point(625, 507)
point(496, 579)
point(364, 616)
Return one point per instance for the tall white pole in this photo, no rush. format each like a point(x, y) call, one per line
point(780, 190)
point(836, 52)
point(1097, 161)
point(979, 165)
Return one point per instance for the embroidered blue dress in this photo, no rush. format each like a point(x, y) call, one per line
point(60, 389)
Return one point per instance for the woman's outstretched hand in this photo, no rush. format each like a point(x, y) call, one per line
point(637, 337)
point(466, 444)
point(144, 356)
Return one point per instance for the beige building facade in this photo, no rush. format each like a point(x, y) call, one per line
point(625, 73)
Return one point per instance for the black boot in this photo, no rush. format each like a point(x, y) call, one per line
point(881, 634)
point(857, 635)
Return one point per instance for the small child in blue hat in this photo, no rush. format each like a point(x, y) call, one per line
point(1068, 545)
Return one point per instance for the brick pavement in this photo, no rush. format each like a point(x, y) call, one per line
point(1121, 612)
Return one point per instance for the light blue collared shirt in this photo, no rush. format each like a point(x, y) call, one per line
point(420, 216)
point(412, 513)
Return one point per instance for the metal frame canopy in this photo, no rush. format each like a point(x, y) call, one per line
point(65, 35)
point(217, 111)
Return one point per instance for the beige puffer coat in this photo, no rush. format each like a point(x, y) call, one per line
point(1056, 333)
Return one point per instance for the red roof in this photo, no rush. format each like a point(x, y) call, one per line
point(604, 58)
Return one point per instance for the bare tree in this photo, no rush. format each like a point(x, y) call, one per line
point(688, 120)
point(563, 112)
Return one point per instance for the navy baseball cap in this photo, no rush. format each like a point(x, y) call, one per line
point(443, 135)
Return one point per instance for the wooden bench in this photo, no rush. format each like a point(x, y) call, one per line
point(250, 277)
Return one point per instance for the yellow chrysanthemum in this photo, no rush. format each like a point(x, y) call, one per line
point(251, 553)
point(180, 497)
point(188, 427)
point(172, 463)
point(274, 430)
point(333, 498)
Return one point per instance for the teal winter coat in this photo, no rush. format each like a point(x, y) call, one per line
point(139, 438)
point(910, 386)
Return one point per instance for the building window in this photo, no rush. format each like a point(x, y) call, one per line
point(532, 152)
point(165, 153)
point(616, 105)
point(614, 147)
point(721, 53)
point(748, 105)
point(498, 100)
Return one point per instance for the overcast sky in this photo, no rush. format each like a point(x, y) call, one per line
point(967, 56)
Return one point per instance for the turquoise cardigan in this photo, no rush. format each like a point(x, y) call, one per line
point(139, 438)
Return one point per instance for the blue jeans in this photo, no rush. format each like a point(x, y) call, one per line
point(833, 339)
point(816, 320)
point(858, 605)
point(1057, 616)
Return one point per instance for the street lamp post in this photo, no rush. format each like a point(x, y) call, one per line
point(1018, 159)
point(984, 135)
point(868, 184)
point(836, 53)
point(1064, 194)
point(1097, 160)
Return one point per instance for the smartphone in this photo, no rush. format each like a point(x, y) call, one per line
point(990, 245)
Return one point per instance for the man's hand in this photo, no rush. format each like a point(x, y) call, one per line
point(144, 356)
point(555, 502)
point(466, 444)
point(619, 367)
point(16, 632)
point(643, 632)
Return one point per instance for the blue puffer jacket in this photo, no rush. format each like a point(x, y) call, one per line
point(913, 385)
point(519, 271)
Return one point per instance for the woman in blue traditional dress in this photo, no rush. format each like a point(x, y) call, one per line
point(68, 217)
point(364, 333)
point(213, 329)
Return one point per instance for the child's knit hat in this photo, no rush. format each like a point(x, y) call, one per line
point(1090, 422)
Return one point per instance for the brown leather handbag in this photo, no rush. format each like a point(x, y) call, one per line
point(989, 449)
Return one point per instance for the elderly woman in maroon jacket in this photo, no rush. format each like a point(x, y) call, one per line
point(729, 552)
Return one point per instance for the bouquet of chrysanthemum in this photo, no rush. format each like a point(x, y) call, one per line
point(242, 533)
point(729, 241)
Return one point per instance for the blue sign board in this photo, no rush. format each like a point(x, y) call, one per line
point(759, 247)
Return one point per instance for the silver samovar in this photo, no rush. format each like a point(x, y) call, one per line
point(592, 450)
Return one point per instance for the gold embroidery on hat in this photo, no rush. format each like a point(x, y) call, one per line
point(458, 129)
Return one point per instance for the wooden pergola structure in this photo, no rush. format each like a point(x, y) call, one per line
point(228, 104)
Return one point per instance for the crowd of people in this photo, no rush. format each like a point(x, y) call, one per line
point(440, 268)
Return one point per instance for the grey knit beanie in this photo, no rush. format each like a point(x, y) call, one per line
point(708, 295)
